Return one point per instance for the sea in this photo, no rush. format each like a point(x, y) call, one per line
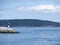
point(32, 36)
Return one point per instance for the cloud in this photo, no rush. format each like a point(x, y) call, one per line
point(41, 8)
point(57, 9)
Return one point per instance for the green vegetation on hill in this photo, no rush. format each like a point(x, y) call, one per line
point(29, 23)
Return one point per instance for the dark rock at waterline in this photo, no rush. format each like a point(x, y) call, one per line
point(9, 32)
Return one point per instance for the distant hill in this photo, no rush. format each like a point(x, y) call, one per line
point(29, 23)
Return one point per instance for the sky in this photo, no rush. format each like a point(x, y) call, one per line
point(30, 9)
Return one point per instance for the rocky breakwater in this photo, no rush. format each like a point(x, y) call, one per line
point(7, 30)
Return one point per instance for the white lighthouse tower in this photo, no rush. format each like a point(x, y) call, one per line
point(8, 25)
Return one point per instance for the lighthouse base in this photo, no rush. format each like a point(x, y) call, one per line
point(9, 32)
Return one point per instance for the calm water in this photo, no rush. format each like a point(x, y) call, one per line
point(32, 36)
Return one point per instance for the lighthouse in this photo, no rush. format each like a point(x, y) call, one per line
point(8, 25)
point(7, 29)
